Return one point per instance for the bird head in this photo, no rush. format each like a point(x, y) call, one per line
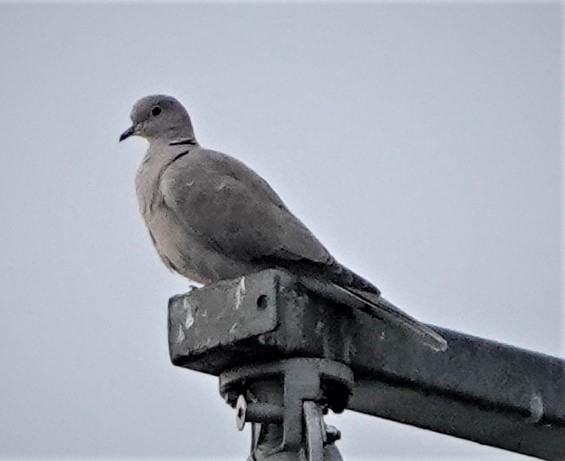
point(159, 117)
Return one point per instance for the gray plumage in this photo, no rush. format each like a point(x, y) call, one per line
point(211, 217)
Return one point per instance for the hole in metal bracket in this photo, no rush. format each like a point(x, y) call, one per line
point(262, 302)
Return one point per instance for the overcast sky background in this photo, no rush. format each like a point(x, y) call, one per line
point(420, 142)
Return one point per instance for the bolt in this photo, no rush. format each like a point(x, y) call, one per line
point(256, 413)
point(240, 412)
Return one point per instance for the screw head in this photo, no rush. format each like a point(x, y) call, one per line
point(240, 412)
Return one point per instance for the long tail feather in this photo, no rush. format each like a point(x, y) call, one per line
point(376, 306)
point(386, 311)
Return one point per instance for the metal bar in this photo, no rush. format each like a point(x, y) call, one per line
point(479, 390)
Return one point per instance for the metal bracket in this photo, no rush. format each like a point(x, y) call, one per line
point(478, 389)
point(288, 398)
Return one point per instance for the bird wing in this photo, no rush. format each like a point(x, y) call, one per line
point(235, 211)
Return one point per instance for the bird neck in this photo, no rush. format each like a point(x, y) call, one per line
point(164, 149)
point(175, 135)
point(181, 131)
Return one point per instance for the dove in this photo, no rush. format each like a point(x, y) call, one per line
point(211, 218)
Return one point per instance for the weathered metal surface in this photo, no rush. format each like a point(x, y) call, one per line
point(478, 389)
point(459, 416)
point(216, 323)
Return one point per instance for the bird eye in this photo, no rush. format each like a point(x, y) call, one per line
point(155, 111)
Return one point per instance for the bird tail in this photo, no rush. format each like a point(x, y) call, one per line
point(376, 306)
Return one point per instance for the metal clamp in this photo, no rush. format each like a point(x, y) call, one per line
point(291, 415)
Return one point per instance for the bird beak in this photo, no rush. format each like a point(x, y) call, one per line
point(126, 134)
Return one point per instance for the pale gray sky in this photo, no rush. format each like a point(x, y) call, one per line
point(420, 142)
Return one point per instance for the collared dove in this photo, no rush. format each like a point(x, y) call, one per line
point(211, 218)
